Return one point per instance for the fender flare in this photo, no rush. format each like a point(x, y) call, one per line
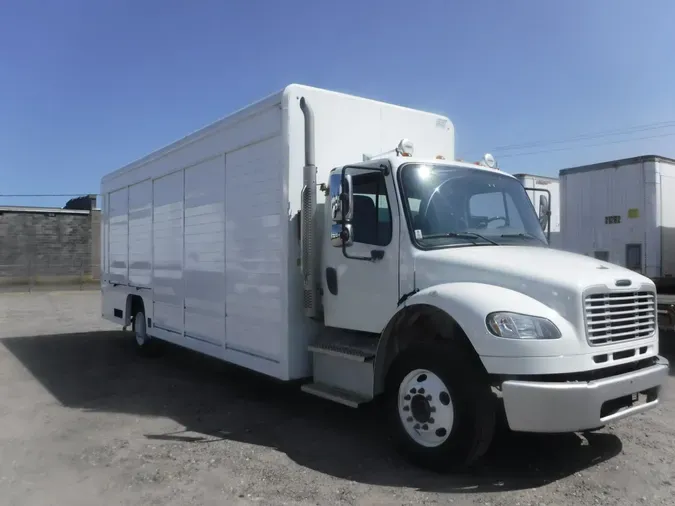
point(465, 303)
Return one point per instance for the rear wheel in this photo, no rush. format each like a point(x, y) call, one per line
point(145, 344)
point(440, 408)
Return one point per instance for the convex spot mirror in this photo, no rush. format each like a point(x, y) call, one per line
point(341, 235)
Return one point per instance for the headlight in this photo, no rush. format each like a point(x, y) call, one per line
point(520, 326)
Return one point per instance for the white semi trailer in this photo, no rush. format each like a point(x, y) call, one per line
point(278, 239)
point(619, 211)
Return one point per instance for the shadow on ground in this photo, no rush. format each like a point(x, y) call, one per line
point(100, 371)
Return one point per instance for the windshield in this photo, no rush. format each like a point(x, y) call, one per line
point(448, 205)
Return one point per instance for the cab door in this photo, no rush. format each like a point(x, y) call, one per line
point(360, 275)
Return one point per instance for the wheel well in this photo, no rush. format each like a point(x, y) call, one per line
point(421, 324)
point(134, 303)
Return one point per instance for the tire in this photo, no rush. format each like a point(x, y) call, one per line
point(502, 428)
point(146, 345)
point(440, 409)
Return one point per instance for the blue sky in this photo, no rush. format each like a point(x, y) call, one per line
point(87, 86)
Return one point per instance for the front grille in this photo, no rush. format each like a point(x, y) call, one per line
point(618, 317)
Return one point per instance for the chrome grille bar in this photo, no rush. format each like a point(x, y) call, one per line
point(618, 317)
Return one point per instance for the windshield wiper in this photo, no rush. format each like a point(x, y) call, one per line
point(461, 235)
point(524, 236)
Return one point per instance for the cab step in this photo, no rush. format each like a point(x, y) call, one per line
point(334, 394)
point(346, 345)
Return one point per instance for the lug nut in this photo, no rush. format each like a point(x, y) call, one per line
point(407, 398)
point(406, 408)
point(409, 419)
point(428, 397)
point(421, 390)
point(425, 427)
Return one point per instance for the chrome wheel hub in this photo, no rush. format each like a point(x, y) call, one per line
point(425, 408)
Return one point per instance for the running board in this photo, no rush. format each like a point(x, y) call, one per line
point(347, 346)
point(345, 352)
point(334, 394)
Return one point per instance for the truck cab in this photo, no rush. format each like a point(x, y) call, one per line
point(413, 220)
point(439, 290)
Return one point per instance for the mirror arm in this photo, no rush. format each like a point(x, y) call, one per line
point(375, 255)
point(372, 258)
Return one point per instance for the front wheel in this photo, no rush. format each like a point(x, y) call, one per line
point(440, 408)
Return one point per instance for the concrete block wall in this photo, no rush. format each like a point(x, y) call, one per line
point(43, 245)
point(95, 230)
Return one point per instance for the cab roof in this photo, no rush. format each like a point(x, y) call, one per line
point(397, 161)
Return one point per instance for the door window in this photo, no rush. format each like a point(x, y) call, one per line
point(372, 215)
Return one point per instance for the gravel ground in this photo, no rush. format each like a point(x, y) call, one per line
point(85, 421)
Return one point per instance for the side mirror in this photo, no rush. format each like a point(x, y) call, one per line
point(341, 197)
point(341, 235)
point(544, 211)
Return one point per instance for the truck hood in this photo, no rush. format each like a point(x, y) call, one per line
point(554, 277)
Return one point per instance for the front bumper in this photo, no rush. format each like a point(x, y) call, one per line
point(538, 406)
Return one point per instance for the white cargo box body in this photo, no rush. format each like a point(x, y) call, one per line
point(550, 187)
point(206, 229)
point(623, 212)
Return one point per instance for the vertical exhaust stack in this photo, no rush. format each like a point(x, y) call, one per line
point(307, 213)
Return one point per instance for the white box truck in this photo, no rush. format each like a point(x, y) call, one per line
point(279, 240)
point(549, 188)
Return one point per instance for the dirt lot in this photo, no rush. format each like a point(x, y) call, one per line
point(85, 421)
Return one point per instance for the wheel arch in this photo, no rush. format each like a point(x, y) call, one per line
point(419, 322)
point(133, 303)
point(457, 312)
